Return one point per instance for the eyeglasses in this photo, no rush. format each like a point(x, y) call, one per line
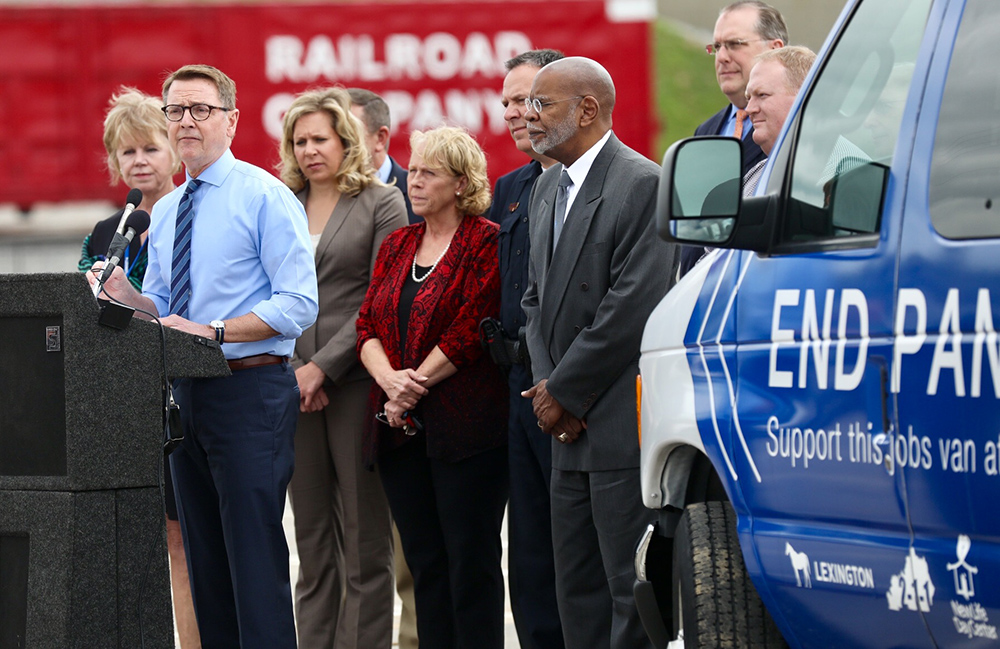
point(538, 104)
point(411, 425)
point(199, 112)
point(732, 46)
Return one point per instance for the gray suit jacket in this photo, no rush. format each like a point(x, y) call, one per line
point(345, 258)
point(588, 302)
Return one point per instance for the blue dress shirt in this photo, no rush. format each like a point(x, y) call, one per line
point(250, 252)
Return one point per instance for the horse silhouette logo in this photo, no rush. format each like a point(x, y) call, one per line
point(800, 564)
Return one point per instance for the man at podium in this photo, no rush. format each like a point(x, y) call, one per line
point(230, 260)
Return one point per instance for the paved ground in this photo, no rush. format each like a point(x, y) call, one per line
point(510, 634)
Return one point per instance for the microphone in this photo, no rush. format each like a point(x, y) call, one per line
point(137, 223)
point(131, 202)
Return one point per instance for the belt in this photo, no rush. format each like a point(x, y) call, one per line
point(256, 361)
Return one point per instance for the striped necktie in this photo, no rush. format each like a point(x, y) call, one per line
point(180, 275)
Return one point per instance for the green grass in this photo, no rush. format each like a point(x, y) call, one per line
point(686, 91)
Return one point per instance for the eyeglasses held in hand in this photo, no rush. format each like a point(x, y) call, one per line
point(411, 425)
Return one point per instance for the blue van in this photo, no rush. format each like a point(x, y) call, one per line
point(820, 395)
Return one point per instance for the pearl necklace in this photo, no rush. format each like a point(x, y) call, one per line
point(413, 270)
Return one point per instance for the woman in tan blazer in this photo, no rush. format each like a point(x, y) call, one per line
point(342, 521)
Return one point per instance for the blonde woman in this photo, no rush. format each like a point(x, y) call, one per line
point(437, 423)
point(135, 138)
point(342, 522)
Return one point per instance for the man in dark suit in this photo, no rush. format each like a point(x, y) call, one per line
point(744, 30)
point(593, 279)
point(531, 568)
point(373, 112)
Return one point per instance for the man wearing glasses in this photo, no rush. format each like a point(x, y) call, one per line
point(744, 30)
point(596, 271)
point(230, 259)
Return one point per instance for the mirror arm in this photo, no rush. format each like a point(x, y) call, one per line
point(665, 191)
point(755, 226)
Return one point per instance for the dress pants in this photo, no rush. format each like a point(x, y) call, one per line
point(344, 595)
point(597, 517)
point(449, 516)
point(530, 564)
point(230, 476)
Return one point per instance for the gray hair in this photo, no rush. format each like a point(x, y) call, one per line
point(770, 25)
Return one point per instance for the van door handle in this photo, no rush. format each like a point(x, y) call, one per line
point(884, 442)
point(884, 387)
point(884, 439)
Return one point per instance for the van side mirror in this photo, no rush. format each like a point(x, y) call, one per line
point(700, 190)
point(700, 198)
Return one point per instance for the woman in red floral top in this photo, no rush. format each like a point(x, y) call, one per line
point(438, 410)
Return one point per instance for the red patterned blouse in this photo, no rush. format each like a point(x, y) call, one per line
point(466, 413)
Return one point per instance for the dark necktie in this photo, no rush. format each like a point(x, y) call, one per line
point(180, 275)
point(562, 197)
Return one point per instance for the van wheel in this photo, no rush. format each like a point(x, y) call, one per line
point(715, 603)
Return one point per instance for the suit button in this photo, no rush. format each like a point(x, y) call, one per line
point(517, 286)
point(576, 329)
point(524, 219)
point(584, 286)
point(518, 252)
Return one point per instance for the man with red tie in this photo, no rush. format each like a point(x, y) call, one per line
point(744, 30)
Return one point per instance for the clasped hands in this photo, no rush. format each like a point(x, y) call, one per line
point(312, 396)
point(405, 389)
point(552, 417)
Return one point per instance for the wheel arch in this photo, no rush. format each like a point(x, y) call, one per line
point(689, 477)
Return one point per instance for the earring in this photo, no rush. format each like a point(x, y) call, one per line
point(458, 193)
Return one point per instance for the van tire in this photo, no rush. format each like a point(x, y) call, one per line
point(714, 599)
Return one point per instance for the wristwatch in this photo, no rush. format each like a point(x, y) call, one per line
point(220, 330)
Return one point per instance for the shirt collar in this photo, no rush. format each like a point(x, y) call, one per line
point(215, 173)
point(578, 170)
point(385, 170)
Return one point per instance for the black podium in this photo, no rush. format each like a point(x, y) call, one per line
point(81, 428)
